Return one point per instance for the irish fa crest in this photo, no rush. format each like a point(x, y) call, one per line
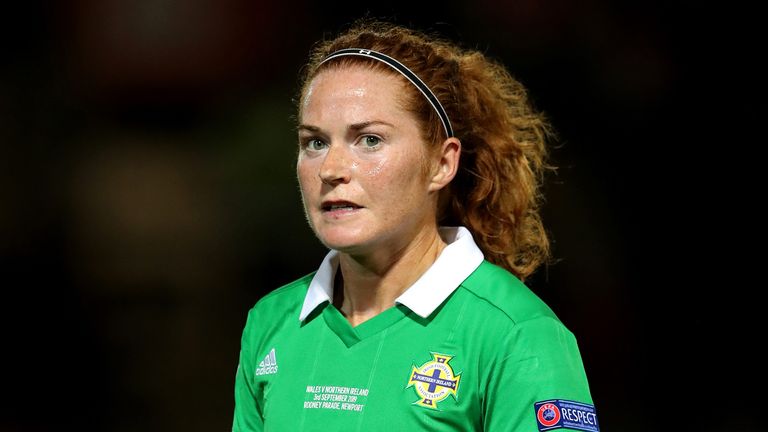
point(434, 381)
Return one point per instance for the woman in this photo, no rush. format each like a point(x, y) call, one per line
point(418, 165)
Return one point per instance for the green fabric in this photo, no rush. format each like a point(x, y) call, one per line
point(492, 341)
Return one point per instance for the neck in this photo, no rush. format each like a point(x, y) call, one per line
point(372, 282)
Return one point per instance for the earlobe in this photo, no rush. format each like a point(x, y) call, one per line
point(447, 164)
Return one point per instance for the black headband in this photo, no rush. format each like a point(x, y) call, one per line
point(412, 77)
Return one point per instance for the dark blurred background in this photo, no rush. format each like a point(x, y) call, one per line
point(148, 198)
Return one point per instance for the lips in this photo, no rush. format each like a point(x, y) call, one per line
point(339, 206)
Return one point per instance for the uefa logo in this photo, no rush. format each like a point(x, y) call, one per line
point(548, 414)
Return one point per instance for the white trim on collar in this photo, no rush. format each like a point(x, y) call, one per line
point(456, 262)
point(321, 288)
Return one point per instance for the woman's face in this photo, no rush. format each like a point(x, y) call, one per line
point(361, 163)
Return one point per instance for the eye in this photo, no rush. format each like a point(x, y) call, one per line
point(371, 141)
point(315, 144)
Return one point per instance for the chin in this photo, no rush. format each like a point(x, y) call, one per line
point(343, 240)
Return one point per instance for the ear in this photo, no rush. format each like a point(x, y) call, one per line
point(446, 164)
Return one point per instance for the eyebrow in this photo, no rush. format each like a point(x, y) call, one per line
point(363, 125)
point(354, 126)
point(308, 128)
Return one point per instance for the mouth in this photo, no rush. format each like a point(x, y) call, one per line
point(339, 206)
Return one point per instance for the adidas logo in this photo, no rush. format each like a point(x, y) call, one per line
point(268, 366)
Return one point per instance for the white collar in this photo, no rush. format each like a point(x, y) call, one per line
point(456, 262)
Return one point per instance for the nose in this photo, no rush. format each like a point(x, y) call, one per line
point(335, 168)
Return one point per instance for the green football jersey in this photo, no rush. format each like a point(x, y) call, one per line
point(467, 348)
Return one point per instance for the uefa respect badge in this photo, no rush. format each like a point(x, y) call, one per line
point(559, 413)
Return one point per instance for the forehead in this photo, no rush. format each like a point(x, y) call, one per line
point(351, 89)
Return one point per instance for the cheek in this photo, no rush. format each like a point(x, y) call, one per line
point(382, 174)
point(374, 170)
point(406, 170)
point(305, 173)
point(398, 176)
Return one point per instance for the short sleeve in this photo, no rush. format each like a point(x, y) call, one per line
point(538, 361)
point(248, 397)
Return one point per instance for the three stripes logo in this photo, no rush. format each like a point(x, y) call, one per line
point(268, 366)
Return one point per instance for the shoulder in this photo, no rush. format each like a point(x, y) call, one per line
point(286, 299)
point(504, 295)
